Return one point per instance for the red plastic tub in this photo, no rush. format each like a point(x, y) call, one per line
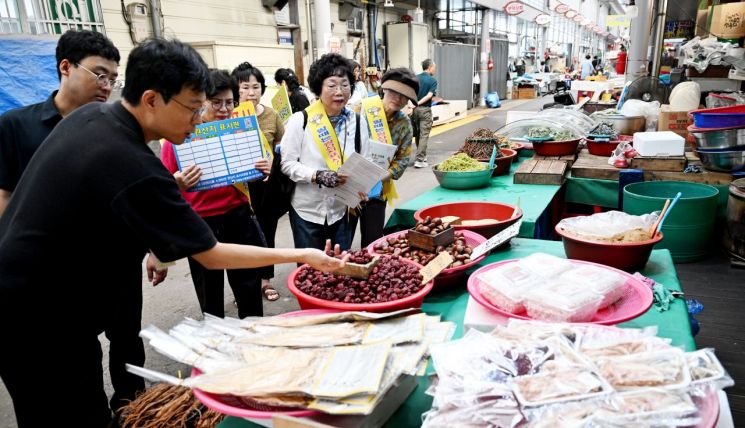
point(309, 302)
point(625, 256)
point(556, 148)
point(448, 277)
point(505, 214)
point(605, 148)
point(503, 163)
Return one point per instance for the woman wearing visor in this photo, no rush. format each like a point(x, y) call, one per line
point(388, 125)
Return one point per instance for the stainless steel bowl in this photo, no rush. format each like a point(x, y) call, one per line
point(724, 139)
point(722, 160)
point(624, 125)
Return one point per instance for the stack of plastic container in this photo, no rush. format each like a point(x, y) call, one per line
point(720, 137)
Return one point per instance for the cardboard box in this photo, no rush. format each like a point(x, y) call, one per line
point(526, 92)
point(727, 21)
point(702, 22)
point(676, 121)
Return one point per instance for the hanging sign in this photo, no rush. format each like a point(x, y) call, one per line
point(514, 8)
point(617, 21)
point(542, 19)
point(561, 8)
point(570, 14)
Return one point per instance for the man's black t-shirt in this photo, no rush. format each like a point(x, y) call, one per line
point(21, 132)
point(93, 200)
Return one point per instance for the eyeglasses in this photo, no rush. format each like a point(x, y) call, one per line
point(344, 87)
point(102, 80)
point(218, 104)
point(197, 112)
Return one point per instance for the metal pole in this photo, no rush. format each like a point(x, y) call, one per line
point(155, 18)
point(639, 46)
point(371, 34)
point(322, 9)
point(659, 29)
point(484, 70)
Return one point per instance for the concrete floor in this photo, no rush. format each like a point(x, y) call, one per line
point(171, 301)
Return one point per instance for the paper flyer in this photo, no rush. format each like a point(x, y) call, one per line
point(226, 152)
point(281, 104)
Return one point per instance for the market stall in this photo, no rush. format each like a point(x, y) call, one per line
point(672, 323)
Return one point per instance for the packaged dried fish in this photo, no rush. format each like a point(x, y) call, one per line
point(562, 302)
point(545, 265)
point(507, 285)
point(568, 384)
point(604, 282)
point(661, 369)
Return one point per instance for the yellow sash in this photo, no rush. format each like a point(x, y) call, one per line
point(247, 109)
point(324, 135)
point(378, 124)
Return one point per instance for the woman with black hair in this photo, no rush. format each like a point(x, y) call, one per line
point(315, 145)
point(227, 212)
point(298, 100)
point(388, 124)
point(251, 86)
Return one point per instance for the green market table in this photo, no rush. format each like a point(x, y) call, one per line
point(535, 201)
point(451, 305)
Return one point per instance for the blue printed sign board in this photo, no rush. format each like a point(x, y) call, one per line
point(226, 151)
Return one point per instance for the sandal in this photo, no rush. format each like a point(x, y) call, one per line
point(269, 292)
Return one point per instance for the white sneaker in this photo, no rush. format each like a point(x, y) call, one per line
point(419, 164)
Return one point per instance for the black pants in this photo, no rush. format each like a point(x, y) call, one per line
point(126, 347)
point(237, 226)
point(371, 220)
point(267, 216)
point(51, 364)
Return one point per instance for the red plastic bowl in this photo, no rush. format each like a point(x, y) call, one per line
point(630, 256)
point(605, 148)
point(448, 277)
point(636, 300)
point(309, 302)
point(503, 163)
point(505, 214)
point(556, 148)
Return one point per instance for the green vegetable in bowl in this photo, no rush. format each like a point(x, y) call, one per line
point(461, 162)
point(564, 136)
point(540, 132)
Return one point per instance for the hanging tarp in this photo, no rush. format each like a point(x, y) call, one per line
point(28, 70)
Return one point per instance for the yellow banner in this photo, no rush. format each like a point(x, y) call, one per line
point(324, 135)
point(617, 21)
point(281, 104)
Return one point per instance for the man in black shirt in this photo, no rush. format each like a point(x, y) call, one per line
point(87, 65)
point(91, 203)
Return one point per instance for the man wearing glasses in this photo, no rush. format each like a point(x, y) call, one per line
point(87, 65)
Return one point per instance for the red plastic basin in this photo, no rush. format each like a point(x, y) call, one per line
point(449, 277)
point(630, 256)
point(605, 148)
point(502, 163)
point(309, 302)
point(556, 148)
point(505, 215)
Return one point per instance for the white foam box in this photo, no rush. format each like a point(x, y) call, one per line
point(480, 318)
point(660, 143)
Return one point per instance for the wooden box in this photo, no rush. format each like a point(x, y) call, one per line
point(526, 93)
point(357, 270)
point(429, 242)
point(541, 172)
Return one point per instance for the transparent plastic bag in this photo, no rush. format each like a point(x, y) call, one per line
point(724, 99)
point(650, 111)
point(610, 227)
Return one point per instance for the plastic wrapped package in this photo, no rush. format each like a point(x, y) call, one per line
point(545, 265)
point(706, 371)
point(519, 331)
point(649, 407)
point(610, 227)
point(659, 369)
point(604, 282)
point(568, 384)
point(506, 286)
point(628, 347)
point(650, 110)
point(562, 302)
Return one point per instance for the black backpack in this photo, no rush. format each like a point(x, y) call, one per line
point(279, 188)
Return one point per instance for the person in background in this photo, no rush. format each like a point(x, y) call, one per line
point(546, 68)
point(586, 68)
point(360, 90)
point(227, 212)
point(87, 64)
point(95, 197)
point(398, 87)
point(251, 87)
point(621, 61)
point(314, 146)
point(423, 113)
point(298, 99)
